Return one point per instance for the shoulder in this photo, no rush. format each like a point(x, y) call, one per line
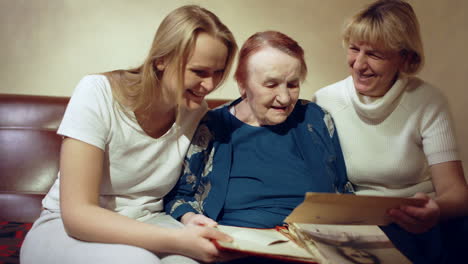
point(311, 112)
point(95, 78)
point(420, 94)
point(214, 122)
point(309, 108)
point(219, 114)
point(211, 128)
point(309, 117)
point(420, 88)
point(93, 86)
point(214, 115)
point(88, 116)
point(93, 81)
point(333, 97)
point(320, 117)
point(92, 101)
point(334, 88)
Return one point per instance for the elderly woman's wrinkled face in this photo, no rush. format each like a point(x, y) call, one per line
point(272, 87)
point(373, 68)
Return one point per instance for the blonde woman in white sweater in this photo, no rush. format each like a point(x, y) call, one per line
point(395, 129)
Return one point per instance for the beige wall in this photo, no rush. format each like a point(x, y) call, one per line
point(48, 45)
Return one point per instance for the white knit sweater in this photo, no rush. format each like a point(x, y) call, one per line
point(390, 142)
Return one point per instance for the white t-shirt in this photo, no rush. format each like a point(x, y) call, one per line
point(389, 143)
point(138, 169)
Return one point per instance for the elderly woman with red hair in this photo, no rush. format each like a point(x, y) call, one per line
point(251, 161)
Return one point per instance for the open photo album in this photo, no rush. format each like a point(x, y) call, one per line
point(325, 228)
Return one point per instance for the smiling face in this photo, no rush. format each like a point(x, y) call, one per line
point(203, 71)
point(373, 68)
point(272, 88)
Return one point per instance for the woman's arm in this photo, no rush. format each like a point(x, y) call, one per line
point(450, 201)
point(181, 200)
point(342, 183)
point(81, 167)
point(451, 189)
point(188, 194)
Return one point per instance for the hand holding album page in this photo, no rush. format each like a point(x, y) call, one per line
point(347, 209)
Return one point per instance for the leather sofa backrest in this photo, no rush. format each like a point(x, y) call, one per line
point(29, 152)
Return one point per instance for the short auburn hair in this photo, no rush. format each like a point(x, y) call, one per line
point(273, 39)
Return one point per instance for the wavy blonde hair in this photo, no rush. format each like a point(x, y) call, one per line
point(393, 24)
point(174, 42)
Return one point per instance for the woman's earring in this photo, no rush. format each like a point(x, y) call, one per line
point(160, 67)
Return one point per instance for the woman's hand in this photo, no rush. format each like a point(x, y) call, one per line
point(191, 218)
point(416, 219)
point(196, 242)
point(194, 222)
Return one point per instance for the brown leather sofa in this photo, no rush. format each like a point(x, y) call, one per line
point(29, 159)
point(29, 148)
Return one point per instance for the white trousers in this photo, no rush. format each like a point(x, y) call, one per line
point(48, 243)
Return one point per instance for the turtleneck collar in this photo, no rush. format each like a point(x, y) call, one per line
point(376, 108)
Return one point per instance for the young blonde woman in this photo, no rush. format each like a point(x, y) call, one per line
point(125, 134)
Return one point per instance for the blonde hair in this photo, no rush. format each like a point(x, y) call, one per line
point(174, 42)
point(393, 24)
